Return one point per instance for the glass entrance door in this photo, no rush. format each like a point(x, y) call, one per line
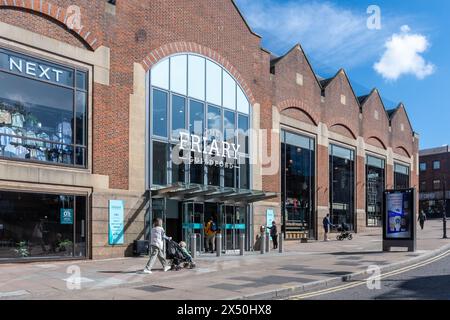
point(232, 225)
point(193, 222)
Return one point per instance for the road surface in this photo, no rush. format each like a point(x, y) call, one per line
point(429, 279)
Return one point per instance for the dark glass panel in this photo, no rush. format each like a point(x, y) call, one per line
point(342, 180)
point(178, 116)
point(160, 163)
point(159, 113)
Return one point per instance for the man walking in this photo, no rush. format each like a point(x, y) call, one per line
point(422, 219)
point(274, 234)
point(326, 226)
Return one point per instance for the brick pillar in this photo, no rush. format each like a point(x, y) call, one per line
point(361, 222)
point(322, 188)
point(389, 176)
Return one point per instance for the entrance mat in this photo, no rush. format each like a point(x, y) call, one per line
point(154, 288)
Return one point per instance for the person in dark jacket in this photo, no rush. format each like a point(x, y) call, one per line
point(422, 219)
point(326, 226)
point(274, 234)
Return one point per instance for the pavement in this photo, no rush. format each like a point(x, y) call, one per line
point(302, 267)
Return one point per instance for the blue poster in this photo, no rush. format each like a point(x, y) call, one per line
point(66, 216)
point(399, 215)
point(270, 216)
point(116, 222)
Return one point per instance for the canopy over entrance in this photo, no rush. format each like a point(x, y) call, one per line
point(201, 193)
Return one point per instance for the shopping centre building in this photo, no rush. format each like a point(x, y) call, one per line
point(172, 109)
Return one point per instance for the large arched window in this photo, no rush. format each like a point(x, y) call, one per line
point(193, 95)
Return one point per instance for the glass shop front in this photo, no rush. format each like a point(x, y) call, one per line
point(43, 120)
point(199, 157)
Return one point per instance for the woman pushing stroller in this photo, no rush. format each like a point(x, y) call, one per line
point(157, 247)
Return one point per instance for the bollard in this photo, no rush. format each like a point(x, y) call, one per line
point(267, 242)
point(263, 242)
point(242, 244)
point(218, 244)
point(194, 245)
point(280, 242)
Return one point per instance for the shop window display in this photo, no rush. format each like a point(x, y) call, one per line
point(342, 185)
point(375, 185)
point(42, 111)
point(37, 225)
point(297, 183)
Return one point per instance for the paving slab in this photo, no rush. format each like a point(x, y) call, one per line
point(301, 266)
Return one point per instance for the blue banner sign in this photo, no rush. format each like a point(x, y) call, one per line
point(270, 216)
point(192, 226)
point(235, 226)
point(116, 222)
point(66, 216)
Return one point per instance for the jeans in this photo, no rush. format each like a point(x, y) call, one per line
point(275, 241)
point(210, 242)
point(156, 252)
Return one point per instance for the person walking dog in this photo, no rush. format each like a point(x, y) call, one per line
point(157, 247)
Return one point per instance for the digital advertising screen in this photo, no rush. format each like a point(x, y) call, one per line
point(399, 214)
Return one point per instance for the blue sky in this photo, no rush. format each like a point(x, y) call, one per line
point(408, 59)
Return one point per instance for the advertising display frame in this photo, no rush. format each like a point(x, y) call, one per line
point(390, 216)
point(116, 222)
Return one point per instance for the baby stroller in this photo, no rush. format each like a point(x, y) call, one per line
point(344, 232)
point(175, 253)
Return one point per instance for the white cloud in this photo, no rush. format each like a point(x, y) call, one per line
point(334, 36)
point(403, 56)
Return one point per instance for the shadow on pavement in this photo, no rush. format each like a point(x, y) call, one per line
point(347, 253)
point(122, 272)
point(422, 288)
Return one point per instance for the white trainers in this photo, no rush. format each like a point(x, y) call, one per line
point(146, 271)
point(167, 268)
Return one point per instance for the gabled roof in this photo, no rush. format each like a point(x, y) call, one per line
point(326, 82)
point(363, 99)
point(393, 112)
point(274, 60)
point(245, 21)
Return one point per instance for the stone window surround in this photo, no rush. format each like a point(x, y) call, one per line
point(98, 64)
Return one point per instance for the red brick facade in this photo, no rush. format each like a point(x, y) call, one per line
point(146, 31)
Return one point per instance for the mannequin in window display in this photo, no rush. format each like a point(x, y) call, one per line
point(64, 133)
point(38, 235)
point(41, 146)
point(18, 119)
point(295, 209)
point(5, 116)
point(5, 139)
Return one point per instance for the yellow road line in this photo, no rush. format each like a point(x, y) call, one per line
point(361, 282)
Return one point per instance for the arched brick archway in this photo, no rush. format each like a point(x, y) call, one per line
point(56, 14)
point(167, 50)
point(403, 150)
point(299, 104)
point(378, 140)
point(343, 122)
